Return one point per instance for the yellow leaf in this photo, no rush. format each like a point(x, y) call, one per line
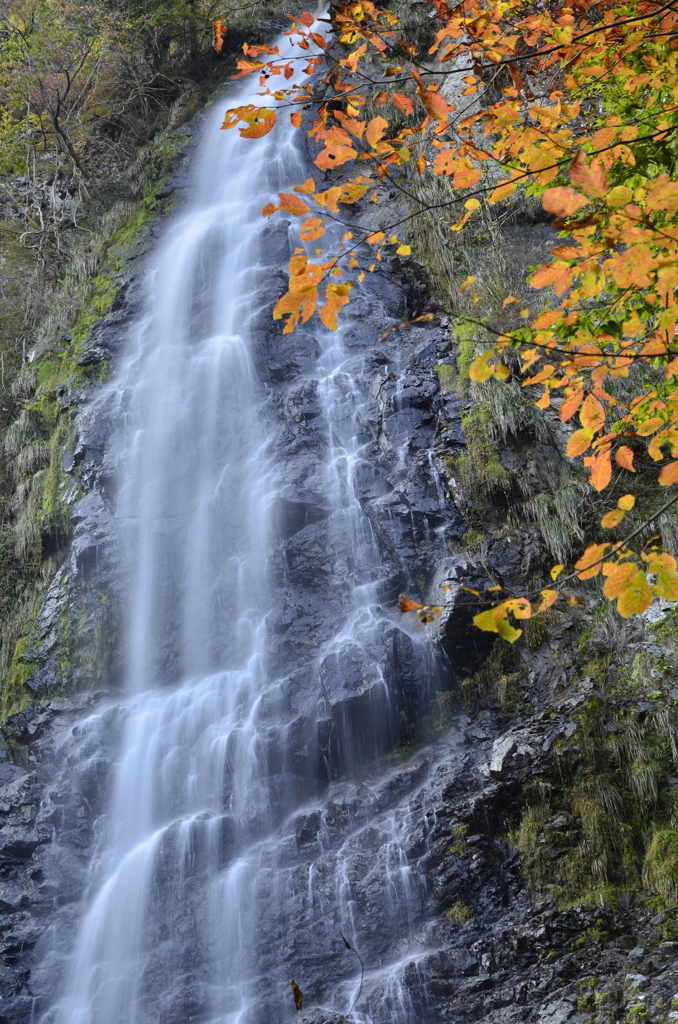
point(472, 204)
point(556, 571)
point(480, 370)
point(495, 620)
point(548, 597)
point(619, 196)
point(471, 280)
point(636, 598)
point(626, 502)
point(579, 442)
point(667, 582)
point(403, 250)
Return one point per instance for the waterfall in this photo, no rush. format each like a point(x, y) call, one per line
point(188, 904)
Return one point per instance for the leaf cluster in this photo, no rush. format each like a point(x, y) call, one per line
point(575, 104)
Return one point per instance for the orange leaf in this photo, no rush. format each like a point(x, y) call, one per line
point(311, 229)
point(260, 120)
point(292, 204)
point(406, 604)
point(336, 297)
point(445, 162)
point(601, 469)
point(669, 474)
point(563, 201)
point(434, 104)
point(619, 576)
point(592, 414)
point(579, 442)
point(624, 458)
point(218, 35)
point(295, 118)
point(591, 178)
point(334, 155)
point(518, 606)
point(548, 274)
point(375, 131)
point(307, 187)
point(593, 554)
point(636, 598)
point(464, 177)
point(570, 403)
point(403, 102)
point(633, 267)
point(420, 163)
point(649, 426)
point(664, 195)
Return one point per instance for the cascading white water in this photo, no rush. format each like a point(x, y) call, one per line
point(193, 802)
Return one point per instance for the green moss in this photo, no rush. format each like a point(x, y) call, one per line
point(480, 470)
point(458, 913)
point(660, 868)
point(459, 835)
point(14, 693)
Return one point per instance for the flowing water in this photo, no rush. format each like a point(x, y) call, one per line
point(188, 901)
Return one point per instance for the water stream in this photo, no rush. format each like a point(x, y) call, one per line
point(188, 900)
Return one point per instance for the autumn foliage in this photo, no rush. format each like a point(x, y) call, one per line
point(577, 104)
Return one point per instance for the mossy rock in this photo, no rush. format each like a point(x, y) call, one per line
point(660, 870)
